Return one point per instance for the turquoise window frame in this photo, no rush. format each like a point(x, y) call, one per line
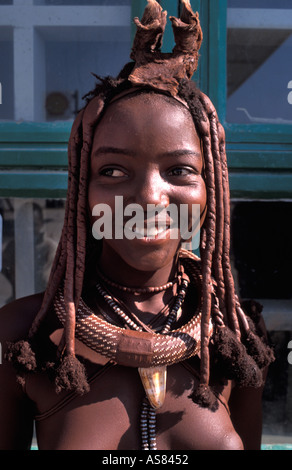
point(259, 156)
point(33, 159)
point(33, 156)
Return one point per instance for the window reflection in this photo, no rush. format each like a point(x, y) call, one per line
point(259, 74)
point(31, 231)
point(50, 49)
point(84, 2)
point(6, 55)
point(261, 249)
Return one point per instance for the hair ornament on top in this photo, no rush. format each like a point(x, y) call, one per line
point(164, 71)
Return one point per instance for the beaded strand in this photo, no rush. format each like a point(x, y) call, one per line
point(113, 304)
point(180, 296)
point(138, 290)
point(148, 426)
point(148, 414)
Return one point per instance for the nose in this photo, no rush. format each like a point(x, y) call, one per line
point(151, 188)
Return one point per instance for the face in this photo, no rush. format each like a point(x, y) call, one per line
point(147, 152)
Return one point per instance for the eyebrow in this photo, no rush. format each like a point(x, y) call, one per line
point(113, 150)
point(120, 151)
point(183, 152)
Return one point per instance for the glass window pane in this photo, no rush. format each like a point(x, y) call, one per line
point(259, 51)
point(31, 229)
point(84, 2)
point(6, 55)
point(261, 249)
point(51, 48)
point(103, 52)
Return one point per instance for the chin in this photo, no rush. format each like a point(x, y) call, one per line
point(142, 258)
point(152, 262)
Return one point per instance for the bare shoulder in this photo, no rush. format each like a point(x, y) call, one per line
point(17, 317)
point(246, 413)
point(16, 410)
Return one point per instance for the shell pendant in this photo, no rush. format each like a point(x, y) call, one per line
point(154, 383)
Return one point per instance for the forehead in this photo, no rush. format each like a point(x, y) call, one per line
point(149, 100)
point(148, 114)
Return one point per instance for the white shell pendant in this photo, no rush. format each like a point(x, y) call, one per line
point(154, 383)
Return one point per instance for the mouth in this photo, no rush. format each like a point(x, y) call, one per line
point(151, 226)
point(151, 232)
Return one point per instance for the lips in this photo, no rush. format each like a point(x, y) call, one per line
point(155, 231)
point(149, 232)
point(149, 228)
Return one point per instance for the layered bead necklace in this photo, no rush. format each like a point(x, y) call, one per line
point(153, 378)
point(145, 347)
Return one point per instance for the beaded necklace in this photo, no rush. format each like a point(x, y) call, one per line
point(133, 346)
point(137, 290)
point(153, 378)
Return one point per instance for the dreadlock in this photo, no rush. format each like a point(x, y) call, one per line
point(237, 350)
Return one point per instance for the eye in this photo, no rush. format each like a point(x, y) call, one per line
point(112, 172)
point(182, 171)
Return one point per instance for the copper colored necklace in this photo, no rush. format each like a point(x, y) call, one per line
point(116, 306)
point(149, 352)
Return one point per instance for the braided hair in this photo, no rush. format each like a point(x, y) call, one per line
point(236, 349)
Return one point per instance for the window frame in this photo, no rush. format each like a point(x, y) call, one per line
point(33, 155)
point(259, 155)
point(33, 159)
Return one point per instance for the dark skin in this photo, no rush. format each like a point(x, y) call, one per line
point(141, 169)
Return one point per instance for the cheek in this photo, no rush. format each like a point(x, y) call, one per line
point(96, 202)
point(199, 199)
point(198, 195)
point(191, 202)
point(97, 195)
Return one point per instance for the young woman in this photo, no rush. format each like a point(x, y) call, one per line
point(136, 342)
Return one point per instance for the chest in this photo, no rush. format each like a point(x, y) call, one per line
point(108, 417)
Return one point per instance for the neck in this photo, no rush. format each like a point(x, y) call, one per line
point(122, 273)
